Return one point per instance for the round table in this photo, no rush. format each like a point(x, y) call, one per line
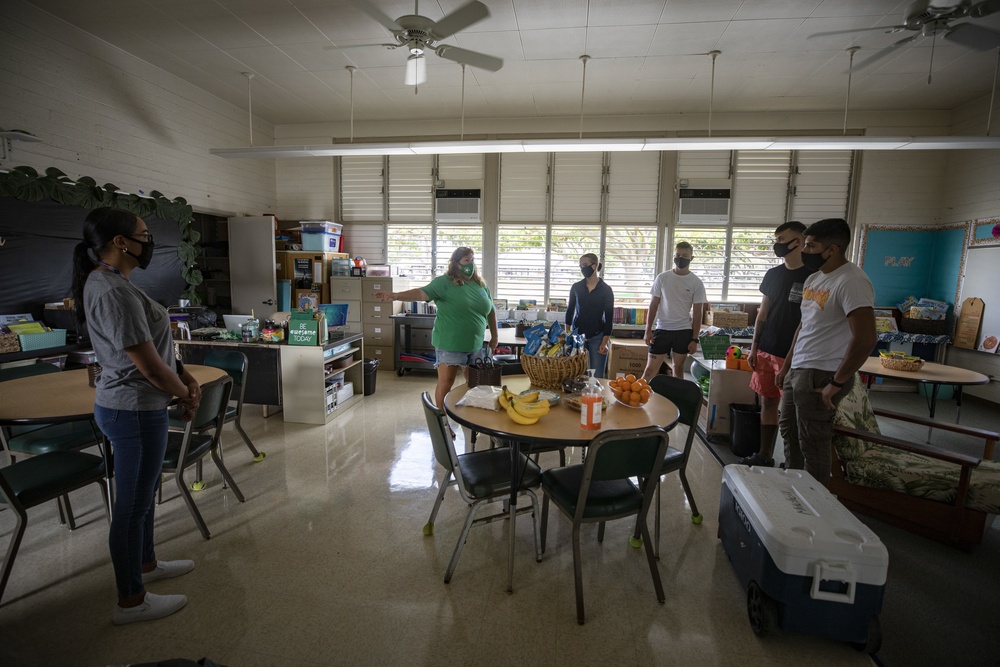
point(63, 397)
point(560, 427)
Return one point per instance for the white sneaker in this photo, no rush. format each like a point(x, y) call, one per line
point(153, 607)
point(165, 569)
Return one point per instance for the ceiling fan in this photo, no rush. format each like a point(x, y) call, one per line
point(419, 34)
point(933, 18)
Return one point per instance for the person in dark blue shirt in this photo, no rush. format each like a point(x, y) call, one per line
point(591, 311)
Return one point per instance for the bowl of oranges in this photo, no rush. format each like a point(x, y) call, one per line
point(631, 391)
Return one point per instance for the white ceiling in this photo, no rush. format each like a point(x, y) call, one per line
point(640, 49)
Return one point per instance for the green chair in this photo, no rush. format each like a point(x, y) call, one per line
point(35, 439)
point(235, 364)
point(600, 489)
point(201, 436)
point(39, 479)
point(482, 477)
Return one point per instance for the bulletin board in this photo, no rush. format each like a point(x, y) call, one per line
point(919, 261)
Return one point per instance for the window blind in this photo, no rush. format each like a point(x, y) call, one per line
point(524, 186)
point(761, 187)
point(411, 185)
point(361, 194)
point(822, 183)
point(633, 187)
point(750, 258)
point(709, 262)
point(700, 166)
point(577, 182)
point(461, 167)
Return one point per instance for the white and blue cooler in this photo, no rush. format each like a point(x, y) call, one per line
point(808, 564)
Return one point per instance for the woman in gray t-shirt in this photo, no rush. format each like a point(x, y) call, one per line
point(131, 337)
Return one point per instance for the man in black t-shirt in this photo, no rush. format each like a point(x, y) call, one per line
point(774, 329)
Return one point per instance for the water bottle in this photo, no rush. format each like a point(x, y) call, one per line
point(590, 403)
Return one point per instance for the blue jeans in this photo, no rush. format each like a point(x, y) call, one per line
point(139, 441)
point(597, 360)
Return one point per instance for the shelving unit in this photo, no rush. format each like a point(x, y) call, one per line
point(412, 335)
point(215, 291)
point(306, 371)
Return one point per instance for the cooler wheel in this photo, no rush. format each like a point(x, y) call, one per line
point(400, 372)
point(762, 610)
point(874, 642)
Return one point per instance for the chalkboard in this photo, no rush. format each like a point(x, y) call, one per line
point(982, 279)
point(714, 347)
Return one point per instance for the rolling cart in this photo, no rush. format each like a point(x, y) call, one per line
point(412, 347)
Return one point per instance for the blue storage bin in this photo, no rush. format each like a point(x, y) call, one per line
point(320, 242)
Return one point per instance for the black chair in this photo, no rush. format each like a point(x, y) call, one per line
point(200, 437)
point(235, 364)
point(35, 439)
point(39, 479)
point(481, 477)
point(686, 395)
point(600, 489)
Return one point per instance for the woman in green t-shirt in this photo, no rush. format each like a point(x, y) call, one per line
point(464, 309)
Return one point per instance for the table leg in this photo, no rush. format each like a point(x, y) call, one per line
point(958, 402)
point(515, 481)
point(934, 395)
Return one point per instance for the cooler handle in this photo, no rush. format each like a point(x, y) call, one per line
point(831, 571)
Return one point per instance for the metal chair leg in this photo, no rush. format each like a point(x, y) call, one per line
point(186, 495)
point(15, 543)
point(469, 519)
point(446, 481)
point(70, 519)
point(578, 573)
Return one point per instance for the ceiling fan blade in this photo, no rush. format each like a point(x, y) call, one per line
point(460, 19)
point(882, 53)
point(886, 28)
point(470, 58)
point(374, 13)
point(984, 8)
point(360, 46)
point(974, 37)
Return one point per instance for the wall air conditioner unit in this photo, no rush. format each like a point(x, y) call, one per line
point(703, 206)
point(458, 205)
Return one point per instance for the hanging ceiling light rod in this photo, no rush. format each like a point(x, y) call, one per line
point(850, 71)
point(249, 76)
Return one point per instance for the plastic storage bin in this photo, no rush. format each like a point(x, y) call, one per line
point(320, 241)
point(808, 564)
point(41, 341)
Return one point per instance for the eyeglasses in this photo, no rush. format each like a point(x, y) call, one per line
point(148, 239)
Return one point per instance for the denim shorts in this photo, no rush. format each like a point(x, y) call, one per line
point(448, 358)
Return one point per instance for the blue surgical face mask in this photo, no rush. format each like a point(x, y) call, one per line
point(467, 269)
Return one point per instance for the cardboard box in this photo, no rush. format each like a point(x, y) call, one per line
point(969, 320)
point(626, 358)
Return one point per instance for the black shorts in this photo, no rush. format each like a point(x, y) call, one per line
point(670, 341)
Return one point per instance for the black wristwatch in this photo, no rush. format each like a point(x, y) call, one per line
point(838, 385)
point(695, 340)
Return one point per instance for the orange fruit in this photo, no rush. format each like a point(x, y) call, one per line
point(646, 393)
point(636, 386)
point(634, 400)
point(617, 393)
point(630, 378)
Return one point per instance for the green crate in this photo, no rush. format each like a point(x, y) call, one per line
point(41, 341)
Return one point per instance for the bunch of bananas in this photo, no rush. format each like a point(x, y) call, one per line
point(525, 408)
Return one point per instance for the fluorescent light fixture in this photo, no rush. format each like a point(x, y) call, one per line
point(838, 143)
point(616, 145)
point(19, 135)
point(465, 147)
point(416, 70)
point(951, 143)
point(581, 145)
point(708, 143)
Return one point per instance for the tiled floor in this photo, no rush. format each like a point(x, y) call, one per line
point(326, 564)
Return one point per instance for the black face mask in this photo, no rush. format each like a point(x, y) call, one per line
point(587, 271)
point(144, 257)
point(682, 262)
point(782, 249)
point(813, 260)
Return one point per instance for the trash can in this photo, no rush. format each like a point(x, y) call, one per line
point(744, 429)
point(371, 365)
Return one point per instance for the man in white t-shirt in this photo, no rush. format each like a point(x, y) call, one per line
point(675, 294)
point(835, 337)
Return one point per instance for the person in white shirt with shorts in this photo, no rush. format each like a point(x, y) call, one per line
point(835, 337)
point(675, 294)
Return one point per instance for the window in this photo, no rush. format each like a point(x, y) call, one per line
point(524, 186)
point(521, 258)
point(577, 187)
point(421, 251)
point(566, 245)
point(361, 195)
point(761, 187)
point(731, 261)
point(411, 181)
point(630, 262)
point(821, 185)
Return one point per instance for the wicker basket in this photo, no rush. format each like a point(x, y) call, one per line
point(727, 320)
point(488, 375)
point(928, 327)
point(902, 364)
point(549, 372)
point(9, 343)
